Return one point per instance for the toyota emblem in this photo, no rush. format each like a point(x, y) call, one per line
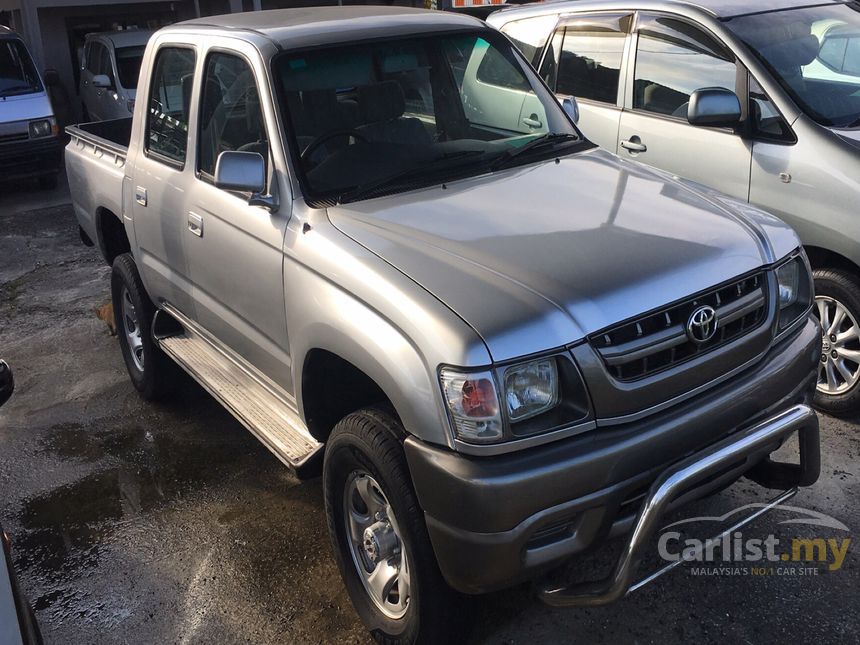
point(702, 324)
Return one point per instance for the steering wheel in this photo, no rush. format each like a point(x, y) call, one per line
point(328, 136)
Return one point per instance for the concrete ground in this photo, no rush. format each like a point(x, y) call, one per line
point(139, 523)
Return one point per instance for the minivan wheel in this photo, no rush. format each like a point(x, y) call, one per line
point(837, 305)
point(379, 537)
point(152, 373)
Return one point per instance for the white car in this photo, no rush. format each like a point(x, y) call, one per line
point(109, 71)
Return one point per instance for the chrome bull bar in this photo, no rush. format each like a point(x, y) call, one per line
point(684, 477)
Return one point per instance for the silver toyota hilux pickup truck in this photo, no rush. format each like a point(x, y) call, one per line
point(499, 344)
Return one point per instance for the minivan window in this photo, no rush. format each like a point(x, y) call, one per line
point(814, 54)
point(389, 116)
point(17, 73)
point(128, 61)
point(530, 35)
point(169, 103)
point(673, 60)
point(589, 65)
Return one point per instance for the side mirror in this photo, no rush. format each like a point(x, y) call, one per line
point(241, 171)
point(102, 81)
point(570, 106)
point(7, 383)
point(51, 77)
point(714, 107)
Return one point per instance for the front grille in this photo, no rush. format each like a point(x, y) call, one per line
point(15, 136)
point(658, 341)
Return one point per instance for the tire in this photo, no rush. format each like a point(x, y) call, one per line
point(152, 373)
point(835, 288)
point(48, 182)
point(364, 447)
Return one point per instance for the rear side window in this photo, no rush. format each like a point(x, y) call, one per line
point(495, 69)
point(674, 59)
point(589, 64)
point(530, 35)
point(169, 102)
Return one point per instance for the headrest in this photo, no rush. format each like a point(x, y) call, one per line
point(791, 46)
point(381, 101)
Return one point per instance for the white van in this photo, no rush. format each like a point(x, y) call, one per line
point(29, 144)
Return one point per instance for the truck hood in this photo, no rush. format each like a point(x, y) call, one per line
point(540, 256)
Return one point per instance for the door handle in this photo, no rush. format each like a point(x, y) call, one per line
point(634, 144)
point(195, 224)
point(532, 121)
point(140, 195)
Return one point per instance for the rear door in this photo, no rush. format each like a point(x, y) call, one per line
point(162, 173)
point(584, 60)
point(673, 58)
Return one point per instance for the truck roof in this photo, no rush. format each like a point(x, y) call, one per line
point(293, 28)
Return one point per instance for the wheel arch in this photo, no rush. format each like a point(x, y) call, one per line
point(112, 237)
point(821, 258)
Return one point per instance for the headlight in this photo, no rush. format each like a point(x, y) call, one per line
point(42, 128)
point(474, 405)
point(795, 290)
point(514, 401)
point(531, 388)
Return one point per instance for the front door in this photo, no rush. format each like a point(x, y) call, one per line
point(673, 58)
point(584, 60)
point(236, 250)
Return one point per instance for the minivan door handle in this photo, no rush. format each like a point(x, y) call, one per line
point(532, 121)
point(634, 144)
point(195, 224)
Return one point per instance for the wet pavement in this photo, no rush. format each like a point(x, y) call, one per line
point(141, 523)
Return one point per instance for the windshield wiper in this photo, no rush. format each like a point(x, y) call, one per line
point(438, 163)
point(548, 139)
point(16, 89)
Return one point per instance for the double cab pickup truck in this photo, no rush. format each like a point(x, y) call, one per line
point(499, 344)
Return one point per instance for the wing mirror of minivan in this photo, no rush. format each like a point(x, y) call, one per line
point(570, 106)
point(102, 81)
point(244, 172)
point(714, 107)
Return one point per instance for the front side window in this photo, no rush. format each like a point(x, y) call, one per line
point(814, 54)
point(105, 66)
point(128, 61)
point(767, 122)
point(387, 116)
point(673, 60)
point(230, 114)
point(530, 35)
point(17, 73)
point(169, 103)
point(589, 64)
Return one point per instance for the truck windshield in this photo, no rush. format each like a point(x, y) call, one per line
point(814, 53)
point(17, 73)
point(128, 60)
point(383, 117)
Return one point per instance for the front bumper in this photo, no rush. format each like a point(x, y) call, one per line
point(496, 521)
point(30, 158)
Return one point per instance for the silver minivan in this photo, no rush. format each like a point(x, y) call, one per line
point(109, 71)
point(758, 101)
point(29, 145)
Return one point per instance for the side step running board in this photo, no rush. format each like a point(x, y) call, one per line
point(264, 413)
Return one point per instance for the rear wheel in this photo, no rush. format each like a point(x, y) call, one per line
point(379, 537)
point(150, 370)
point(837, 305)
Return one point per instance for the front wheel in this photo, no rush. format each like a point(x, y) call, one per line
point(837, 305)
point(379, 537)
